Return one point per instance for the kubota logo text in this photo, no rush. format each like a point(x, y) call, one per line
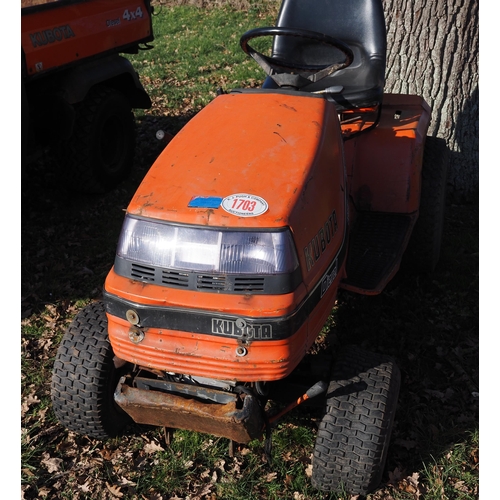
point(321, 240)
point(50, 36)
point(241, 329)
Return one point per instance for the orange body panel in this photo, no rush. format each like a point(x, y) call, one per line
point(285, 148)
point(384, 165)
point(209, 356)
point(56, 36)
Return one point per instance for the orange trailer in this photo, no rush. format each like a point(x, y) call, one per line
point(78, 92)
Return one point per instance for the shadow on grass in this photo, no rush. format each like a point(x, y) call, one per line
point(69, 239)
point(430, 325)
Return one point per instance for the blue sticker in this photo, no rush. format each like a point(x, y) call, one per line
point(205, 202)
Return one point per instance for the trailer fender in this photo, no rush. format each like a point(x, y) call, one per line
point(116, 71)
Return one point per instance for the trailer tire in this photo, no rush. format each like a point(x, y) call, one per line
point(353, 437)
point(100, 152)
point(84, 378)
point(424, 247)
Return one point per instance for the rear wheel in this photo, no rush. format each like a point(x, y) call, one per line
point(353, 436)
point(84, 378)
point(425, 244)
point(100, 152)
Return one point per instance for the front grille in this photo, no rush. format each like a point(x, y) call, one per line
point(208, 282)
point(249, 284)
point(141, 272)
point(216, 283)
point(175, 279)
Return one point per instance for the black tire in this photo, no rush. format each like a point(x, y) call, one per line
point(100, 152)
point(424, 248)
point(84, 378)
point(353, 437)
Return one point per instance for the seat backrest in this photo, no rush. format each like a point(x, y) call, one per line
point(360, 24)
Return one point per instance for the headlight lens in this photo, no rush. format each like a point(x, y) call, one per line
point(207, 250)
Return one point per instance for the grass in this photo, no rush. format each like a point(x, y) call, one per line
point(197, 51)
point(428, 323)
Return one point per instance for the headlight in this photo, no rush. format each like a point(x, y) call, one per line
point(207, 250)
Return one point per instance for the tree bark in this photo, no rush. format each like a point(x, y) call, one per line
point(432, 51)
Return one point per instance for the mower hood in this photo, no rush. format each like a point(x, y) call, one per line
point(245, 160)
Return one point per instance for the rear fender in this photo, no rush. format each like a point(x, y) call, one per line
point(384, 165)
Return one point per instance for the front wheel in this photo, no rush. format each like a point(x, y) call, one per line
point(84, 378)
point(353, 437)
point(100, 152)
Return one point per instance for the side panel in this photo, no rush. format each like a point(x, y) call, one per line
point(54, 37)
point(319, 217)
point(384, 165)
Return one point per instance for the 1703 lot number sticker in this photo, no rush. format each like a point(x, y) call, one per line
point(244, 205)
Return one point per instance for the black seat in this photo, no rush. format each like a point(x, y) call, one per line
point(360, 24)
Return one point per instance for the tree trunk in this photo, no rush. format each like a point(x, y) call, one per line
point(432, 51)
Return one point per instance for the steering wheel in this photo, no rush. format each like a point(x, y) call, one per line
point(286, 73)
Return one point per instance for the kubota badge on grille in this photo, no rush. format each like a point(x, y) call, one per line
point(244, 205)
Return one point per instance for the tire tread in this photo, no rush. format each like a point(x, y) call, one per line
point(351, 445)
point(83, 377)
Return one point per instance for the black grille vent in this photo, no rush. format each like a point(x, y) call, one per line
point(270, 284)
point(207, 282)
point(249, 284)
point(175, 278)
point(142, 272)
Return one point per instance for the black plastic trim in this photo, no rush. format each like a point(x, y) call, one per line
point(277, 90)
point(211, 323)
point(267, 284)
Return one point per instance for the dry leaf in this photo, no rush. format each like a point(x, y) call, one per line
point(123, 481)
point(52, 464)
point(27, 472)
point(85, 487)
point(205, 474)
point(220, 464)
point(396, 475)
point(271, 477)
point(461, 486)
point(309, 470)
point(152, 447)
point(43, 491)
point(27, 402)
point(114, 490)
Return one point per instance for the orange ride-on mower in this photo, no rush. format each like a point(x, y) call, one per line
point(238, 239)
